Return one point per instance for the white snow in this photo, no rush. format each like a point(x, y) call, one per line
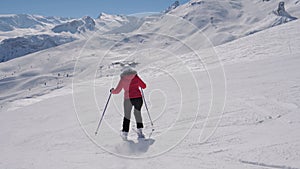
point(235, 105)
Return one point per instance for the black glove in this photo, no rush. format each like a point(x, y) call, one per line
point(111, 89)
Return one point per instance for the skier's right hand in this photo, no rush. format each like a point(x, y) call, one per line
point(111, 89)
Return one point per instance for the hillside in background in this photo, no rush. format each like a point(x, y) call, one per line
point(220, 21)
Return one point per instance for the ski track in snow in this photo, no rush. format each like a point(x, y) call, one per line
point(267, 165)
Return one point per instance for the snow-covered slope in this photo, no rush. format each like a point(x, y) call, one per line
point(224, 21)
point(259, 126)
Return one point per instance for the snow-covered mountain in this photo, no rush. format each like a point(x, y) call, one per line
point(224, 21)
point(11, 22)
point(76, 26)
point(115, 23)
point(219, 21)
point(173, 6)
point(44, 94)
point(25, 34)
point(20, 46)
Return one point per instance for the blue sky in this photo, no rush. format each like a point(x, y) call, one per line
point(79, 8)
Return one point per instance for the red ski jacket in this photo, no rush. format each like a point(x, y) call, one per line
point(130, 83)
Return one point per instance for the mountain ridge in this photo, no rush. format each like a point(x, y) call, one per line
point(221, 22)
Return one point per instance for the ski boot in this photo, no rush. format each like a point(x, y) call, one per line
point(124, 135)
point(140, 133)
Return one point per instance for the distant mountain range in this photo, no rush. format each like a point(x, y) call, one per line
point(220, 21)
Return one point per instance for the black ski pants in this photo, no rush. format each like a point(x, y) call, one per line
point(128, 104)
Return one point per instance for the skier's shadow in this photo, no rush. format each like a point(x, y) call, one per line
point(130, 147)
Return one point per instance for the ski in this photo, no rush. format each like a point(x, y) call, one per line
point(135, 130)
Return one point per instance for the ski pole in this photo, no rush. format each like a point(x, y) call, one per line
point(147, 108)
point(96, 132)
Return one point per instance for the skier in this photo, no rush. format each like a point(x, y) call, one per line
point(131, 82)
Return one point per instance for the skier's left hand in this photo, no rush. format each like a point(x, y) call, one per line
point(111, 89)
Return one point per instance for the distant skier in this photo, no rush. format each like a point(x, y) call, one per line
point(131, 82)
